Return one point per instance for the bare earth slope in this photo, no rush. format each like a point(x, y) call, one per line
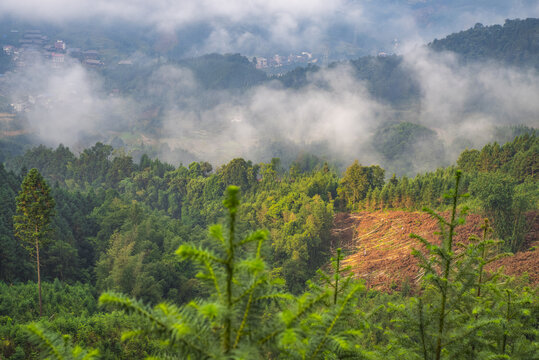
point(379, 246)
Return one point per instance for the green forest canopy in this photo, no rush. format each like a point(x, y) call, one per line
point(118, 224)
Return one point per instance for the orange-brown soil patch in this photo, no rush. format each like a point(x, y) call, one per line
point(379, 246)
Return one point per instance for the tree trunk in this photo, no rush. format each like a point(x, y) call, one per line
point(39, 278)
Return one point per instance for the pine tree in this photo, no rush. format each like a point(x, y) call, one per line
point(35, 209)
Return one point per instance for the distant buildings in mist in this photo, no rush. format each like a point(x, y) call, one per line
point(277, 60)
point(304, 58)
point(32, 46)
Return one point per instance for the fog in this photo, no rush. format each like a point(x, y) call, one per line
point(67, 106)
point(468, 102)
point(464, 105)
point(334, 116)
point(259, 27)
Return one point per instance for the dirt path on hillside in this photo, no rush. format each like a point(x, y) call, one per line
point(378, 246)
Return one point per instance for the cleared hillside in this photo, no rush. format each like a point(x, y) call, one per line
point(379, 246)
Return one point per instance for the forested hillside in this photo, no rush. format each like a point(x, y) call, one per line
point(118, 224)
point(516, 42)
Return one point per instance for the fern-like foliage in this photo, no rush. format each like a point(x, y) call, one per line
point(315, 325)
point(225, 324)
point(248, 316)
point(463, 311)
point(55, 346)
point(447, 274)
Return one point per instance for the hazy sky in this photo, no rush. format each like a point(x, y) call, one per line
point(258, 26)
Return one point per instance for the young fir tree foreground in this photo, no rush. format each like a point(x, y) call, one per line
point(460, 311)
point(248, 316)
point(35, 209)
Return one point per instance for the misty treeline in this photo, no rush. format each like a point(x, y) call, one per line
point(388, 78)
point(491, 42)
point(119, 223)
point(387, 109)
point(512, 43)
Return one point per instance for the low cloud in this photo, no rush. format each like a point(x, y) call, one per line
point(334, 109)
point(465, 103)
point(259, 27)
point(334, 115)
point(67, 105)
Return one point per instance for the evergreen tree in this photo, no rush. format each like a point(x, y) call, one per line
point(356, 182)
point(35, 209)
point(224, 325)
point(441, 272)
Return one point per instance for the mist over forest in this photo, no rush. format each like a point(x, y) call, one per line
point(152, 91)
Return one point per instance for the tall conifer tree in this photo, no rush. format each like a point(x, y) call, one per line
point(35, 209)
